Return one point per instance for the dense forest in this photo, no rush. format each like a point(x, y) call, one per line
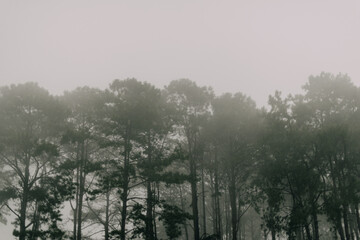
point(137, 162)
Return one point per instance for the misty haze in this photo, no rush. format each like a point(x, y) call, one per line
point(188, 120)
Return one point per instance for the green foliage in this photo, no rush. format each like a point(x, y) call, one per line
point(295, 162)
point(6, 194)
point(138, 219)
point(134, 101)
point(173, 217)
point(46, 148)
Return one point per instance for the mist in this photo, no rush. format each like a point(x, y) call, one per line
point(179, 120)
point(255, 47)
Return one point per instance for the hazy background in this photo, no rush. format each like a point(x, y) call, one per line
point(250, 46)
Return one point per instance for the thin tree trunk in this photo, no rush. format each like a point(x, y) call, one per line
point(75, 219)
point(193, 176)
point(307, 231)
point(35, 222)
point(82, 175)
point(243, 231)
point(124, 195)
point(75, 209)
point(351, 226)
point(273, 234)
point(355, 221)
point(265, 234)
point(217, 199)
point(157, 197)
point(183, 209)
point(227, 215)
point(106, 225)
point(23, 209)
point(124, 199)
point(203, 200)
point(346, 222)
point(339, 227)
point(240, 223)
point(194, 203)
point(24, 201)
point(315, 224)
point(149, 232)
point(219, 213)
point(232, 196)
point(334, 231)
point(357, 216)
point(213, 202)
point(36, 218)
point(239, 233)
point(338, 223)
point(149, 228)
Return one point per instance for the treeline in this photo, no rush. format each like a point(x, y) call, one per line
point(137, 162)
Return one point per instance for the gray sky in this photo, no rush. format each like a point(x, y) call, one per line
point(250, 46)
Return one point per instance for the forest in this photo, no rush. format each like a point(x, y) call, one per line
point(134, 161)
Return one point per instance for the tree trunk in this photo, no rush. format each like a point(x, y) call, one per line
point(357, 216)
point(149, 228)
point(149, 232)
point(24, 202)
point(82, 176)
point(217, 199)
point(124, 199)
point(23, 209)
point(75, 221)
point(157, 197)
point(346, 222)
point(351, 226)
point(183, 209)
point(273, 234)
point(106, 225)
point(193, 183)
point(75, 209)
point(240, 223)
point(232, 196)
point(307, 231)
point(355, 221)
point(124, 195)
point(203, 201)
point(315, 223)
point(35, 222)
point(79, 208)
point(194, 199)
point(334, 231)
point(339, 227)
point(213, 205)
point(227, 216)
point(265, 234)
point(338, 223)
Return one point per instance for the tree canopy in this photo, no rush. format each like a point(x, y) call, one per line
point(137, 162)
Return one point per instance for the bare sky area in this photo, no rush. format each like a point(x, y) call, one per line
point(250, 46)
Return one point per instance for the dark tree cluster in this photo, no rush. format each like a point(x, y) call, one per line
point(137, 162)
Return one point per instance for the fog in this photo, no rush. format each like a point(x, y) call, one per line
point(251, 46)
point(254, 47)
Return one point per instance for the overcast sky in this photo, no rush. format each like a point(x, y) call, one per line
point(250, 46)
